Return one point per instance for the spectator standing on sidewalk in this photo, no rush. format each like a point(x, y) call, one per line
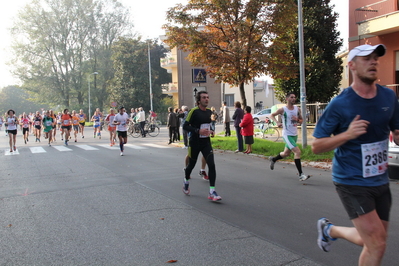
point(247, 125)
point(141, 118)
point(226, 120)
point(171, 124)
point(237, 117)
point(357, 124)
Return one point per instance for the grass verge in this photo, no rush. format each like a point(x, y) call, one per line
point(268, 148)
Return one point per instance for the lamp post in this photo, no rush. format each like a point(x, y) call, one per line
point(95, 73)
point(149, 70)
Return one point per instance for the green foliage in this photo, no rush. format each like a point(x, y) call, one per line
point(13, 97)
point(130, 86)
point(59, 43)
point(321, 42)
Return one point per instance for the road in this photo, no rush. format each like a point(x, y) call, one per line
point(88, 205)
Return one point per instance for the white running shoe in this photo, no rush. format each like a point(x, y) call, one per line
point(303, 177)
point(121, 153)
point(214, 196)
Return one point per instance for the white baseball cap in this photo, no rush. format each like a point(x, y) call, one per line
point(366, 49)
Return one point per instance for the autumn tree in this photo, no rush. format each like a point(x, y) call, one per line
point(13, 97)
point(321, 42)
point(227, 37)
point(130, 86)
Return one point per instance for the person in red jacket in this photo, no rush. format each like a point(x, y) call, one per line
point(247, 129)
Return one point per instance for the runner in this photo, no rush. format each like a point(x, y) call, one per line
point(37, 122)
point(291, 117)
point(66, 125)
point(75, 124)
point(48, 123)
point(198, 122)
point(31, 117)
point(25, 127)
point(96, 118)
point(122, 120)
point(82, 122)
point(53, 116)
point(357, 124)
point(12, 122)
point(1, 122)
point(59, 124)
point(111, 126)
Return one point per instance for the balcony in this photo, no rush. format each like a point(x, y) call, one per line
point(168, 62)
point(170, 88)
point(377, 19)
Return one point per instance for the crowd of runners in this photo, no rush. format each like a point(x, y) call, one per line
point(70, 125)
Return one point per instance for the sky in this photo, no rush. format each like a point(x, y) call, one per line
point(148, 16)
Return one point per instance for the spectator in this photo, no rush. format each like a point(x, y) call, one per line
point(247, 125)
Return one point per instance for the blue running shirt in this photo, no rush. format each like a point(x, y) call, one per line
point(361, 161)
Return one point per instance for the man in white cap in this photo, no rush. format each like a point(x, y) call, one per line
point(356, 124)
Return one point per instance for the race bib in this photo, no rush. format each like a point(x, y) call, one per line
point(37, 123)
point(66, 122)
point(207, 126)
point(49, 123)
point(374, 158)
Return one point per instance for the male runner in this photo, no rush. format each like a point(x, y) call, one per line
point(198, 122)
point(291, 117)
point(121, 120)
point(360, 120)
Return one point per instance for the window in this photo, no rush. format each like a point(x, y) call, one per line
point(229, 99)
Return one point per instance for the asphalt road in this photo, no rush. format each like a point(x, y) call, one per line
point(86, 205)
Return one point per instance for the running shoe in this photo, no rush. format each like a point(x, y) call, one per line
point(25, 141)
point(66, 143)
point(15, 148)
point(203, 175)
point(122, 153)
point(271, 162)
point(323, 239)
point(83, 137)
point(186, 188)
point(49, 144)
point(214, 196)
point(303, 177)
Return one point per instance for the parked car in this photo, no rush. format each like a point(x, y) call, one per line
point(393, 159)
point(262, 115)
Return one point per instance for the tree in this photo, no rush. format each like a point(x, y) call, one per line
point(228, 37)
point(55, 40)
point(321, 42)
point(130, 86)
point(13, 97)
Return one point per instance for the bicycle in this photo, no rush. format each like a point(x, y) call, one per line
point(150, 128)
point(267, 130)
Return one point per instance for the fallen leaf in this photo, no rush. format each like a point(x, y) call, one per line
point(162, 218)
point(172, 261)
point(9, 225)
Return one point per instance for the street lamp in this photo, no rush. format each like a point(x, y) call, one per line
point(95, 73)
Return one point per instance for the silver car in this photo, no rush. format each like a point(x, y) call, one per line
point(262, 115)
point(393, 160)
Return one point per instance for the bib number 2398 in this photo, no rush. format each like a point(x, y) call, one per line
point(375, 158)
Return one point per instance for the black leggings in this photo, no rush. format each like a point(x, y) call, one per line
point(204, 146)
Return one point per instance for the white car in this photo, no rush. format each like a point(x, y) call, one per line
point(262, 115)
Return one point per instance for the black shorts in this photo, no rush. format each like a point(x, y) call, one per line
point(249, 139)
point(82, 123)
point(66, 127)
point(38, 127)
point(122, 134)
point(14, 132)
point(359, 200)
point(24, 130)
point(76, 127)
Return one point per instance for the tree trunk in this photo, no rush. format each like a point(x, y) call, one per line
point(243, 98)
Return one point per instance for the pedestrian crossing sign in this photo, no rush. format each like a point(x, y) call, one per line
point(199, 75)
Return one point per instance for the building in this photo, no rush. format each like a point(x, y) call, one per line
point(373, 22)
point(188, 79)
